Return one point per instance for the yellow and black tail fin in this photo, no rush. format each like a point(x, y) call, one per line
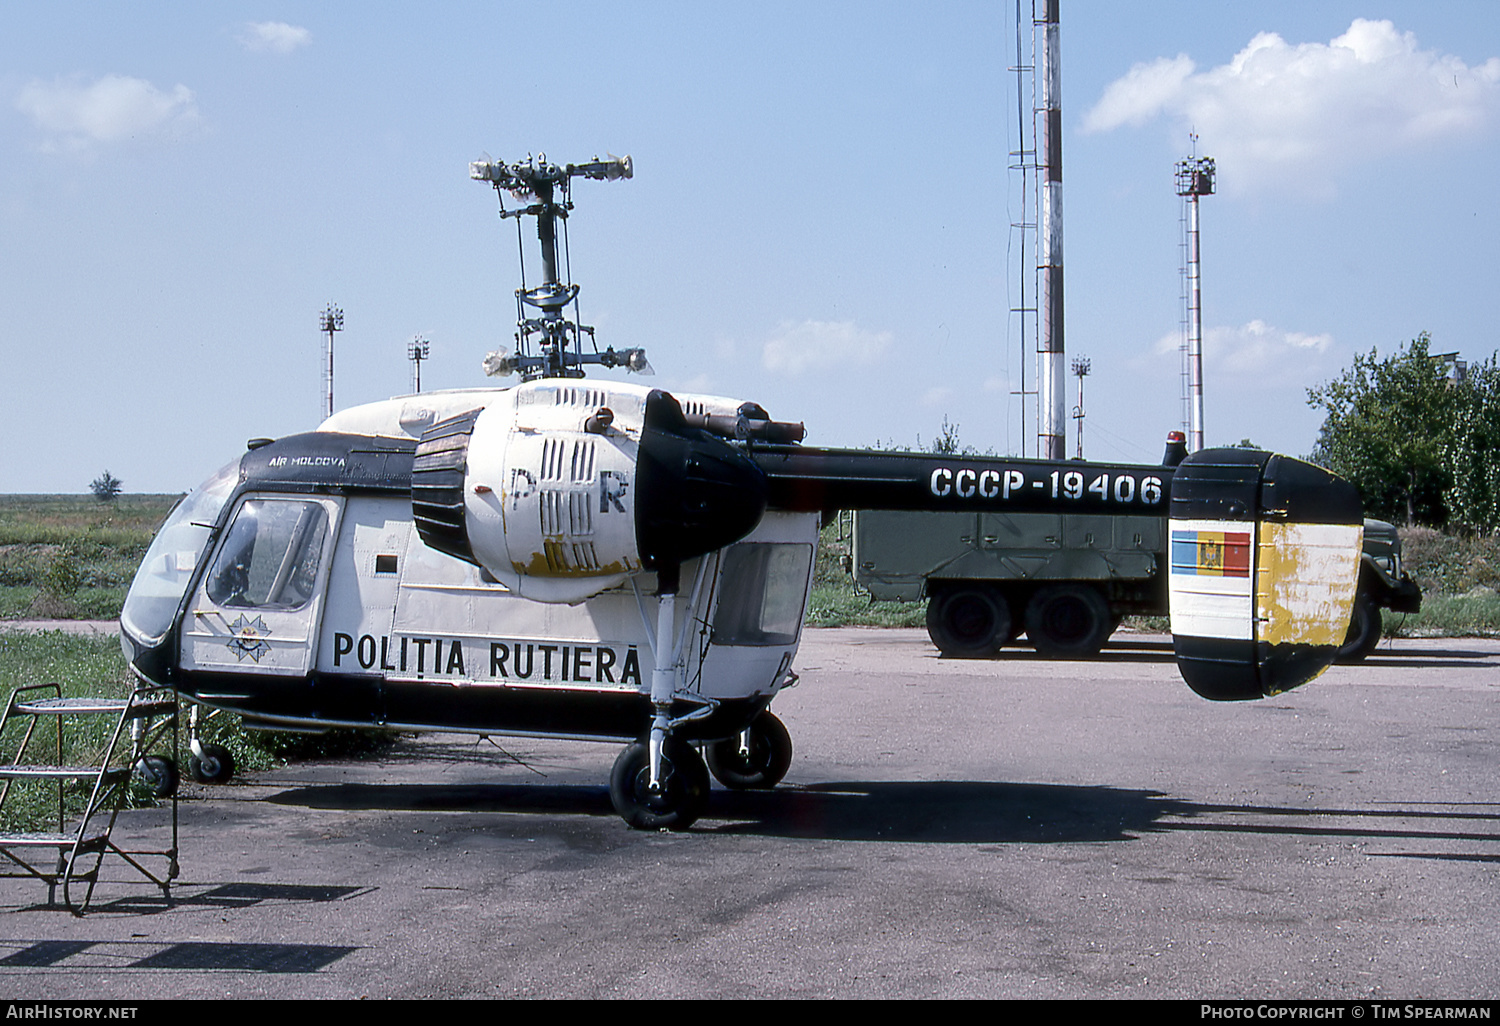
point(1264, 561)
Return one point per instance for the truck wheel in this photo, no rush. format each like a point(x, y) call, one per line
point(1068, 621)
point(1364, 631)
point(968, 622)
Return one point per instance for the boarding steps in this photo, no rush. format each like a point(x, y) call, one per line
point(141, 722)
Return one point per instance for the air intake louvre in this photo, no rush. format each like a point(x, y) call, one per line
point(437, 485)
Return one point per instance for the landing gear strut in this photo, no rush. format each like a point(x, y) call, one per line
point(680, 794)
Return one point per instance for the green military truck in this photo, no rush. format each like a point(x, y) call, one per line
point(1066, 580)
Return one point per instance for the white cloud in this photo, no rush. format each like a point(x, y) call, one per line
point(1257, 353)
point(75, 115)
point(275, 36)
point(813, 345)
point(1279, 112)
point(1141, 95)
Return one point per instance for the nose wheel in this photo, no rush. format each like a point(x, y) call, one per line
point(757, 758)
point(214, 766)
point(678, 799)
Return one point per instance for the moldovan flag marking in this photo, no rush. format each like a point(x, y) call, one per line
point(1210, 580)
point(1211, 553)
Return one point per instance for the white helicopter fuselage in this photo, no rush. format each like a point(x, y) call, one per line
point(314, 600)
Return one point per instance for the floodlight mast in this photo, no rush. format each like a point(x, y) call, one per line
point(545, 189)
point(417, 350)
point(329, 321)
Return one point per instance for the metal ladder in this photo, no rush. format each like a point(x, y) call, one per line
point(142, 721)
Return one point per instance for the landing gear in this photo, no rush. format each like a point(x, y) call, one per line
point(214, 766)
point(1068, 621)
point(681, 793)
point(969, 622)
point(208, 763)
point(159, 774)
point(755, 759)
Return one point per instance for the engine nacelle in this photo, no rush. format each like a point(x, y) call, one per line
point(561, 490)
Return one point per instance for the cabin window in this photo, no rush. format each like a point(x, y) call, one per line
point(762, 594)
point(270, 556)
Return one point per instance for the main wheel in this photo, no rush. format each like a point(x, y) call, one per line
point(1365, 626)
point(766, 761)
point(159, 773)
point(684, 791)
point(1068, 621)
point(971, 621)
point(216, 766)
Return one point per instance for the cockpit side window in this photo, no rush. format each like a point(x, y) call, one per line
point(270, 555)
point(762, 593)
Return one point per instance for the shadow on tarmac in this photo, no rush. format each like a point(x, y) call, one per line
point(1446, 658)
point(1114, 651)
point(941, 812)
point(1162, 652)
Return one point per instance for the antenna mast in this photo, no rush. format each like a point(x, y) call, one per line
point(1023, 159)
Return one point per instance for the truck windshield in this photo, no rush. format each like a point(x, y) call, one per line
point(168, 567)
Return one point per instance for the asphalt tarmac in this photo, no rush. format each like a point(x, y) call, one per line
point(1012, 828)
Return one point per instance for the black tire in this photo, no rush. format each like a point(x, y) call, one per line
point(1068, 621)
point(159, 773)
point(216, 766)
point(767, 761)
point(1365, 627)
point(684, 793)
point(971, 621)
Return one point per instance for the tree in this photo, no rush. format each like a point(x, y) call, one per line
point(1473, 456)
point(1391, 431)
point(105, 487)
point(947, 443)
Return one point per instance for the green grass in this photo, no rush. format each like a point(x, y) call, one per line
point(1476, 614)
point(88, 666)
point(1459, 578)
point(71, 557)
point(835, 603)
point(83, 666)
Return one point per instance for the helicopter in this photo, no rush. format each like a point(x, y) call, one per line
point(598, 560)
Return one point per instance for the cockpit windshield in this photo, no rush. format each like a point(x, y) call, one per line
point(164, 574)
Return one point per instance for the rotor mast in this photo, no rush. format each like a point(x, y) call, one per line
point(545, 190)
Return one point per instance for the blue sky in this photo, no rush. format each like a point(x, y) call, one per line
point(819, 220)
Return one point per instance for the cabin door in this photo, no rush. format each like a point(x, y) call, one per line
point(259, 607)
